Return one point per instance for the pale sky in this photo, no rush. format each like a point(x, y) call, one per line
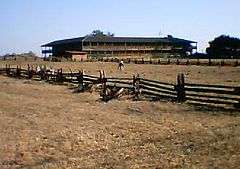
point(27, 24)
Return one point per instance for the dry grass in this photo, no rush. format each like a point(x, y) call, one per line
point(46, 126)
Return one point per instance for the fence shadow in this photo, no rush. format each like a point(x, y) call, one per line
point(214, 109)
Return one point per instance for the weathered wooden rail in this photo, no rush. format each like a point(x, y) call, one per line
point(173, 61)
point(112, 87)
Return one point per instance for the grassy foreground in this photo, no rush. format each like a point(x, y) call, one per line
point(47, 126)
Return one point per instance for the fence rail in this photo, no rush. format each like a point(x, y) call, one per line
point(111, 87)
point(171, 61)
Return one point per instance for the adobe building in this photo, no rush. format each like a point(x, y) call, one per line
point(122, 47)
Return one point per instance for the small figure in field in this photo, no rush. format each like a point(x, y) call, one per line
point(120, 65)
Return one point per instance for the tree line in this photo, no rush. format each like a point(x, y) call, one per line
point(224, 47)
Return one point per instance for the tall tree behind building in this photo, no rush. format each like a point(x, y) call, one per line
point(224, 47)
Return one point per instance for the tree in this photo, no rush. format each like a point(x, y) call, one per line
point(101, 33)
point(97, 33)
point(224, 47)
point(110, 34)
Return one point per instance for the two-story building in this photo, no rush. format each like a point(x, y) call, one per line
point(122, 47)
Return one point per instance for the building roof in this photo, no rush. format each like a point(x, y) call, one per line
point(64, 41)
point(109, 39)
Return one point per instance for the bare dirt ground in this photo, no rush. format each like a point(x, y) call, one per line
point(47, 126)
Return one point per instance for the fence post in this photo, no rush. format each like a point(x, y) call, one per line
point(180, 88)
point(104, 88)
point(198, 62)
point(41, 74)
point(45, 72)
point(136, 86)
point(209, 62)
point(183, 88)
point(237, 92)
point(177, 62)
point(80, 81)
point(135, 61)
point(100, 76)
point(8, 70)
point(59, 77)
point(18, 72)
point(236, 63)
point(222, 63)
point(29, 72)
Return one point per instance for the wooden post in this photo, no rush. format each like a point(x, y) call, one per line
point(43, 74)
point(8, 70)
point(100, 77)
point(18, 72)
point(80, 81)
point(222, 63)
point(59, 77)
point(29, 72)
point(134, 80)
point(180, 88)
point(168, 62)
point(104, 89)
point(237, 92)
point(135, 61)
point(136, 86)
point(209, 62)
point(183, 88)
point(236, 63)
point(198, 62)
point(177, 62)
point(15, 73)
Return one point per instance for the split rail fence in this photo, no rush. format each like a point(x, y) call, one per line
point(163, 61)
point(110, 87)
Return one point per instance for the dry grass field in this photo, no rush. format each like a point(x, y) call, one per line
point(48, 126)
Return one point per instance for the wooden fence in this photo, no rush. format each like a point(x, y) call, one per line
point(110, 87)
point(173, 61)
